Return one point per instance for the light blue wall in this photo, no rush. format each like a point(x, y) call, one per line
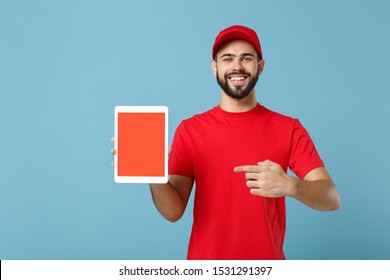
point(64, 65)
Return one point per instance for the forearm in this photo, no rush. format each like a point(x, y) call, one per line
point(167, 201)
point(321, 195)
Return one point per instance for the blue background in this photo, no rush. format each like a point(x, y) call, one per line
point(64, 65)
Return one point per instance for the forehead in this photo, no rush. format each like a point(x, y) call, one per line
point(236, 47)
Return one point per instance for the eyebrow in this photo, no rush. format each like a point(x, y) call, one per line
point(233, 55)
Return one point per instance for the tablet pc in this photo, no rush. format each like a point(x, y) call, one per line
point(141, 144)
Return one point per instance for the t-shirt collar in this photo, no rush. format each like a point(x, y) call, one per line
point(239, 115)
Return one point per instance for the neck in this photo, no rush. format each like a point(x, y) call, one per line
point(230, 104)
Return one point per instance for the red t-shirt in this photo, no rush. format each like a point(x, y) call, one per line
point(229, 222)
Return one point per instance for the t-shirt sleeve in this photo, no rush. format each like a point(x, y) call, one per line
point(304, 156)
point(180, 160)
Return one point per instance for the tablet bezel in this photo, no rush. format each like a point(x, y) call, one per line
point(142, 179)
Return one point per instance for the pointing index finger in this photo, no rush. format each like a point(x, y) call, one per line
point(247, 168)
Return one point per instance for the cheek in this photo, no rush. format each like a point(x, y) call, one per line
point(220, 74)
point(221, 69)
point(254, 70)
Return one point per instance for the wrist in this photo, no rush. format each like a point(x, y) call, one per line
point(292, 186)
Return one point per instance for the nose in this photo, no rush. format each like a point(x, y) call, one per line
point(237, 65)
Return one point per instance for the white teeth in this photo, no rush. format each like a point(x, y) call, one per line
point(237, 78)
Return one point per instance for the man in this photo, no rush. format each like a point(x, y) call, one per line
point(238, 154)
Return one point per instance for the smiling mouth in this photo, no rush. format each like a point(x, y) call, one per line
point(234, 78)
point(237, 79)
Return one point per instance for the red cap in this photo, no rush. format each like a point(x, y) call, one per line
point(237, 32)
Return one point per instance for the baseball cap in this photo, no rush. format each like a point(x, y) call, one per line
point(237, 32)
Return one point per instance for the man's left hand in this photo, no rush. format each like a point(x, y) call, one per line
point(267, 179)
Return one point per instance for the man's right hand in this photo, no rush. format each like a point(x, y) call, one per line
point(113, 151)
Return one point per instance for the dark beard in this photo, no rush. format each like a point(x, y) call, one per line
point(238, 92)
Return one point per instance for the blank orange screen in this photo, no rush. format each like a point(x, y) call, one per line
point(141, 144)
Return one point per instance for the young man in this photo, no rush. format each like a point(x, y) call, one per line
point(238, 154)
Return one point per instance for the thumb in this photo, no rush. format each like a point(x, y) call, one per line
point(267, 162)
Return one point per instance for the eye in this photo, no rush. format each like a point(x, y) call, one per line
point(247, 58)
point(227, 59)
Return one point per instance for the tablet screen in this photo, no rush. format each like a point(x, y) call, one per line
point(141, 144)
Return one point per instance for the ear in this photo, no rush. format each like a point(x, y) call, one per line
point(260, 66)
point(214, 67)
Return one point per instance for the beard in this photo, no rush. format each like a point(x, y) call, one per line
point(238, 92)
